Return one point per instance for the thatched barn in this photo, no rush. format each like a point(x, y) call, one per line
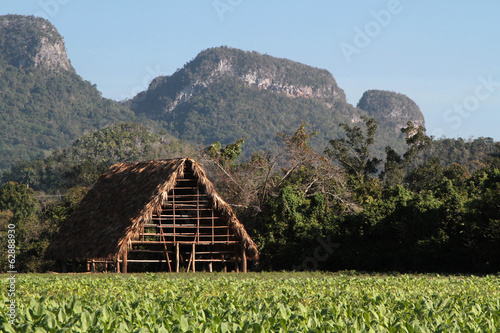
point(156, 215)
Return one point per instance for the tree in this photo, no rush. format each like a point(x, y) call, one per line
point(396, 166)
point(19, 207)
point(353, 151)
point(20, 200)
point(225, 156)
point(425, 176)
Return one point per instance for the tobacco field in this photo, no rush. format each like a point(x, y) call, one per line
point(254, 302)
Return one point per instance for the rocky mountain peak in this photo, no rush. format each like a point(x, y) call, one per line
point(28, 41)
point(281, 75)
point(392, 108)
point(254, 69)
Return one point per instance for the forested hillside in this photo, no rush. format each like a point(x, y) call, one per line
point(44, 104)
point(225, 94)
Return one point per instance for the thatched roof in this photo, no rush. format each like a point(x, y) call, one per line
point(122, 200)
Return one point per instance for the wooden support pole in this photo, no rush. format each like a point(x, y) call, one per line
point(210, 269)
point(189, 263)
point(244, 260)
point(125, 264)
point(92, 266)
point(177, 256)
point(194, 257)
point(168, 260)
point(117, 264)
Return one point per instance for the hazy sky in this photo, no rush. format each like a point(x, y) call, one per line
point(444, 55)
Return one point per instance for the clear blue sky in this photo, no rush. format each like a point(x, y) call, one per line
point(445, 55)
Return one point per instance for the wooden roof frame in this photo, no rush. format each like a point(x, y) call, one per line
point(113, 215)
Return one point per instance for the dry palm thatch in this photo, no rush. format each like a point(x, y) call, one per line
point(124, 198)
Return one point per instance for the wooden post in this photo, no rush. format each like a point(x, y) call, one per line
point(117, 264)
point(125, 264)
point(194, 257)
point(92, 266)
point(177, 258)
point(244, 260)
point(88, 266)
point(210, 269)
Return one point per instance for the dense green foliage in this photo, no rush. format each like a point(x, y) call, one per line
point(41, 110)
point(472, 154)
point(274, 302)
point(91, 155)
point(19, 207)
point(308, 214)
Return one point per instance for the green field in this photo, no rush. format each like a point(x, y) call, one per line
point(254, 302)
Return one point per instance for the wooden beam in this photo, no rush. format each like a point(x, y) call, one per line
point(194, 257)
point(188, 242)
point(92, 266)
point(125, 264)
point(244, 259)
point(145, 260)
point(117, 264)
point(177, 256)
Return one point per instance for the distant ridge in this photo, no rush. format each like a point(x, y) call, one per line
point(224, 94)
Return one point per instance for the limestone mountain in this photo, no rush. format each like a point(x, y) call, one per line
point(27, 41)
point(260, 71)
point(44, 104)
point(225, 94)
point(392, 109)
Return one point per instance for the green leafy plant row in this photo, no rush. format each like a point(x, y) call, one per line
point(265, 302)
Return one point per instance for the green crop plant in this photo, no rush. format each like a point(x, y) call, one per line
point(254, 302)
